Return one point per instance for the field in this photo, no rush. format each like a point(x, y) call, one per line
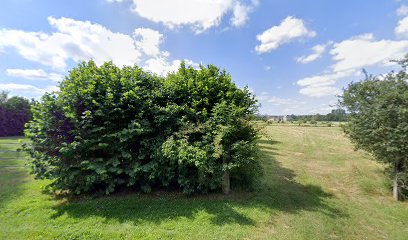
point(315, 186)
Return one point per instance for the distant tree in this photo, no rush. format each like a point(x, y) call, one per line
point(3, 96)
point(379, 122)
point(17, 103)
point(14, 113)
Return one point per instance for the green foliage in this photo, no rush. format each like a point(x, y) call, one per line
point(14, 113)
point(14, 103)
point(336, 115)
point(112, 128)
point(379, 121)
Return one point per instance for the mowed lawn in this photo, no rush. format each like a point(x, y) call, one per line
point(315, 186)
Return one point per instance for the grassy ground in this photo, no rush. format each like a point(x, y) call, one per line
point(315, 187)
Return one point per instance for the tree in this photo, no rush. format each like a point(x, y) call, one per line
point(14, 113)
point(3, 97)
point(378, 122)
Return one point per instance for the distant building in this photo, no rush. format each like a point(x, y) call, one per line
point(283, 118)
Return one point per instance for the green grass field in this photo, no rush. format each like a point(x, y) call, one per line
point(314, 187)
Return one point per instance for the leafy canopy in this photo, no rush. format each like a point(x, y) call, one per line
point(111, 128)
point(379, 121)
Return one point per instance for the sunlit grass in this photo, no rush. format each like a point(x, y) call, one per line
point(315, 186)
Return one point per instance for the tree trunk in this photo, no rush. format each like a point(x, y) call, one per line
point(395, 188)
point(226, 176)
point(226, 183)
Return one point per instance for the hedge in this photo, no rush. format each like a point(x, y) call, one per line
point(112, 128)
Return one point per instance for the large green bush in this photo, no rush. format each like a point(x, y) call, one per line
point(111, 128)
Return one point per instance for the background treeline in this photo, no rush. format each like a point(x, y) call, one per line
point(111, 128)
point(14, 113)
point(336, 115)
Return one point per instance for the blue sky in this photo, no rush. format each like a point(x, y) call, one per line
point(295, 55)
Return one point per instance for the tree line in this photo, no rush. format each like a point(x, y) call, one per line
point(336, 115)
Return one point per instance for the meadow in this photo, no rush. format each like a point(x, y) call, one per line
point(315, 186)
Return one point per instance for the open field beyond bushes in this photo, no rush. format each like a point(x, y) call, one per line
point(315, 186)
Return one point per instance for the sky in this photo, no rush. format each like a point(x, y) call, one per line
point(296, 56)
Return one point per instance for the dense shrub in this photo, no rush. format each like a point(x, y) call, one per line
point(14, 113)
point(112, 128)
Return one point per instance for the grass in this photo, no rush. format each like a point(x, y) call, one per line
point(314, 187)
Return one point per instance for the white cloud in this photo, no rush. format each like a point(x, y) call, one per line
point(24, 89)
point(241, 13)
point(318, 51)
point(320, 91)
point(82, 40)
point(402, 29)
point(289, 29)
point(162, 66)
point(148, 41)
point(363, 51)
point(402, 11)
point(324, 80)
point(34, 74)
point(322, 85)
point(350, 56)
point(199, 14)
point(75, 40)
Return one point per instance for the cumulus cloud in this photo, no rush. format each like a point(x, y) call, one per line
point(34, 74)
point(289, 29)
point(349, 57)
point(82, 40)
point(318, 51)
point(72, 40)
point(200, 15)
point(241, 13)
point(148, 41)
point(364, 50)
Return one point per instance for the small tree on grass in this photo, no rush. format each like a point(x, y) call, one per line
point(379, 122)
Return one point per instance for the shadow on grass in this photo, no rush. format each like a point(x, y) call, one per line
point(279, 192)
